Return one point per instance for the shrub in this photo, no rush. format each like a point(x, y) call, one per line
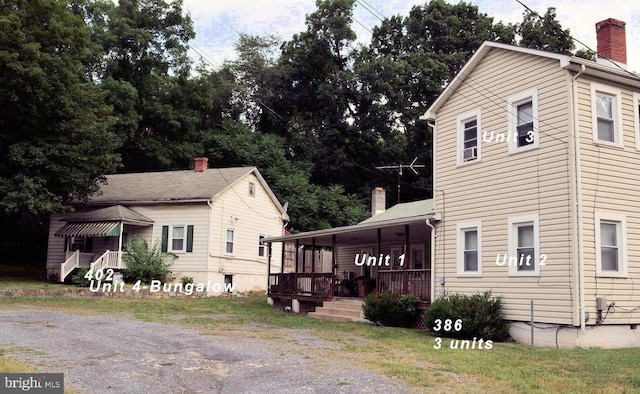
point(79, 279)
point(186, 280)
point(146, 264)
point(481, 316)
point(391, 309)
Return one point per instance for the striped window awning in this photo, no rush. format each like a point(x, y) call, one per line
point(89, 229)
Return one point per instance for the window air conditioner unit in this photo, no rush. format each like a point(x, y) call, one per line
point(470, 153)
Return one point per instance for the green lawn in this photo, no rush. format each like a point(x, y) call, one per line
point(406, 354)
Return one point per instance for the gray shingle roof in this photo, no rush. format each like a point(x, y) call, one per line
point(167, 186)
point(114, 213)
point(403, 210)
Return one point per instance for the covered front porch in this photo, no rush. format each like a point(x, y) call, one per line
point(391, 251)
point(96, 238)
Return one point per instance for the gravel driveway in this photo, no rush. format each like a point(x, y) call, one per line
point(117, 354)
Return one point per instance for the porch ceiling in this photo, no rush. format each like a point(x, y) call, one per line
point(364, 233)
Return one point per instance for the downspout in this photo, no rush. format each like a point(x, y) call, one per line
point(576, 137)
point(209, 230)
point(433, 258)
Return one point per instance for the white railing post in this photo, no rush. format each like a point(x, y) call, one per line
point(69, 265)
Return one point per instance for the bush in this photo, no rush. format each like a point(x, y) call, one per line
point(481, 316)
point(391, 309)
point(186, 280)
point(79, 279)
point(146, 264)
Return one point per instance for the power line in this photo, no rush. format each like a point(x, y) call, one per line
point(559, 28)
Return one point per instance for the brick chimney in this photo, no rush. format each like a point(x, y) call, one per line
point(378, 201)
point(612, 42)
point(200, 164)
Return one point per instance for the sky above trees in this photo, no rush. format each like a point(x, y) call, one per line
point(218, 23)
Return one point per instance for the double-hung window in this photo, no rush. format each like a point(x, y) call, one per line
point(610, 235)
point(524, 246)
point(230, 238)
point(262, 247)
point(469, 127)
point(522, 113)
point(607, 115)
point(177, 238)
point(469, 245)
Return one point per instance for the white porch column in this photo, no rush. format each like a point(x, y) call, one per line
point(120, 244)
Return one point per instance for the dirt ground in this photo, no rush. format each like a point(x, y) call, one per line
point(118, 354)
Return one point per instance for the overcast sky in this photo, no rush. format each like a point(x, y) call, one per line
point(219, 22)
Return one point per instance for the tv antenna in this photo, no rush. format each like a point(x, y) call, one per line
point(399, 167)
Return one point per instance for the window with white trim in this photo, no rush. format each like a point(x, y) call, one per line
point(469, 137)
point(607, 114)
point(262, 247)
point(524, 246)
point(178, 238)
point(469, 249)
point(252, 189)
point(522, 112)
point(230, 239)
point(611, 253)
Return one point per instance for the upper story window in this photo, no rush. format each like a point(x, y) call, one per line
point(252, 189)
point(522, 112)
point(469, 245)
point(607, 115)
point(524, 246)
point(611, 244)
point(468, 137)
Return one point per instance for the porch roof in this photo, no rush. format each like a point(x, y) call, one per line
point(115, 213)
point(392, 224)
point(90, 229)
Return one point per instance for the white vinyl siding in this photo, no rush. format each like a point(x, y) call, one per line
point(524, 245)
point(522, 112)
point(469, 129)
point(611, 244)
point(507, 185)
point(469, 244)
point(607, 115)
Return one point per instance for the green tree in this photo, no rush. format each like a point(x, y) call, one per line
point(311, 207)
point(55, 142)
point(141, 61)
point(544, 32)
point(404, 69)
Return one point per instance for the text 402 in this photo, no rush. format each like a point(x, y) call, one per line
point(448, 325)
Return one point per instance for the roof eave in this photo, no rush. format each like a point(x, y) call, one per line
point(353, 228)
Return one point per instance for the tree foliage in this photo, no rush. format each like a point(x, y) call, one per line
point(544, 32)
point(55, 143)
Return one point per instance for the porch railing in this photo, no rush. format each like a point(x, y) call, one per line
point(69, 265)
point(108, 259)
point(416, 282)
point(306, 284)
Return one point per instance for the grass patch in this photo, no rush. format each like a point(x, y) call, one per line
point(404, 354)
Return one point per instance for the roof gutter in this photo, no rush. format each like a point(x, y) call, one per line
point(578, 203)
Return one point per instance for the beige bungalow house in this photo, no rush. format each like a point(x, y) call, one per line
point(537, 176)
point(213, 219)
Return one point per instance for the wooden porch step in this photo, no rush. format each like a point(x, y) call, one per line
point(342, 309)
